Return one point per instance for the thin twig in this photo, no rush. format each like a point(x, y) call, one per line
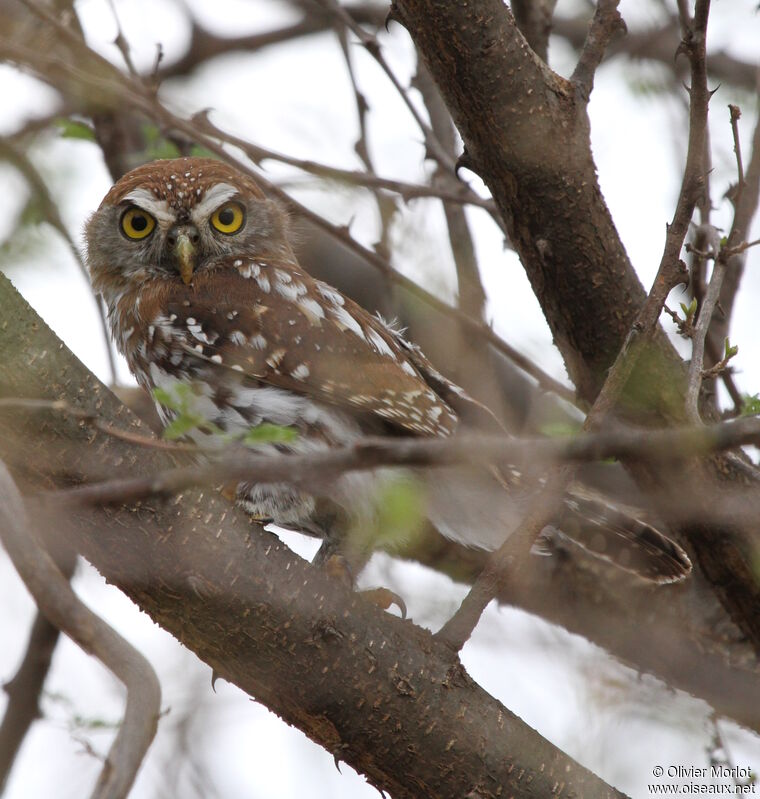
point(605, 23)
point(39, 189)
point(735, 114)
point(318, 469)
point(64, 609)
point(434, 148)
point(121, 42)
point(60, 406)
point(25, 687)
point(462, 195)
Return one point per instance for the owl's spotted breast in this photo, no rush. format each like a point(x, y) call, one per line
point(279, 327)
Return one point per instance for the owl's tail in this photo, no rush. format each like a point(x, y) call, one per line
point(473, 508)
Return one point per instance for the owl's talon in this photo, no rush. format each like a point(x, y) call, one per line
point(384, 598)
point(229, 491)
point(337, 567)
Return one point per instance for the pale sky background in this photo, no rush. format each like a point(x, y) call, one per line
point(612, 720)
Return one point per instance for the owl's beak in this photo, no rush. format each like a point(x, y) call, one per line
point(182, 241)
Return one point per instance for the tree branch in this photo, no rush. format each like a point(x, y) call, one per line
point(605, 23)
point(56, 599)
point(269, 622)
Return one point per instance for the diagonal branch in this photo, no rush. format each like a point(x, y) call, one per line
point(59, 603)
point(605, 23)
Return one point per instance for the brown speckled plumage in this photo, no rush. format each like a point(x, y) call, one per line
point(233, 316)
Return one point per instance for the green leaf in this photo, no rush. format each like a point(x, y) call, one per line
point(157, 145)
point(400, 511)
point(201, 152)
point(730, 351)
point(165, 398)
point(559, 429)
point(179, 426)
point(751, 406)
point(73, 129)
point(690, 309)
point(270, 434)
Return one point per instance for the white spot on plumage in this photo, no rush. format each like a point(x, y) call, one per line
point(258, 342)
point(274, 359)
point(283, 276)
point(263, 282)
point(301, 372)
point(346, 321)
point(312, 309)
point(379, 343)
point(216, 358)
point(287, 290)
point(237, 337)
point(330, 294)
point(408, 368)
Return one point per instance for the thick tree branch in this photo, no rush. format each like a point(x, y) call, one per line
point(267, 621)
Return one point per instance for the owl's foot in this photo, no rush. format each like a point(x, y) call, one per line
point(337, 566)
point(384, 598)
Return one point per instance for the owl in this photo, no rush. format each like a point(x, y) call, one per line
point(208, 303)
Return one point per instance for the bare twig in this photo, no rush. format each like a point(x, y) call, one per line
point(605, 23)
point(317, 469)
point(434, 147)
point(205, 45)
point(461, 195)
point(60, 406)
point(121, 42)
point(671, 270)
point(63, 608)
point(696, 365)
point(745, 207)
point(24, 689)
point(735, 114)
point(386, 206)
point(472, 295)
point(39, 189)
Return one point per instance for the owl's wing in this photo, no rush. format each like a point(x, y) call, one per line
point(280, 327)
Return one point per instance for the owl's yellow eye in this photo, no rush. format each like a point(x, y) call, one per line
point(228, 218)
point(137, 224)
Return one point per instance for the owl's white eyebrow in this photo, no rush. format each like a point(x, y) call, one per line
point(212, 199)
point(158, 208)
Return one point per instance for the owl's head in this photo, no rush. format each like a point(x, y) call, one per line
point(169, 220)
